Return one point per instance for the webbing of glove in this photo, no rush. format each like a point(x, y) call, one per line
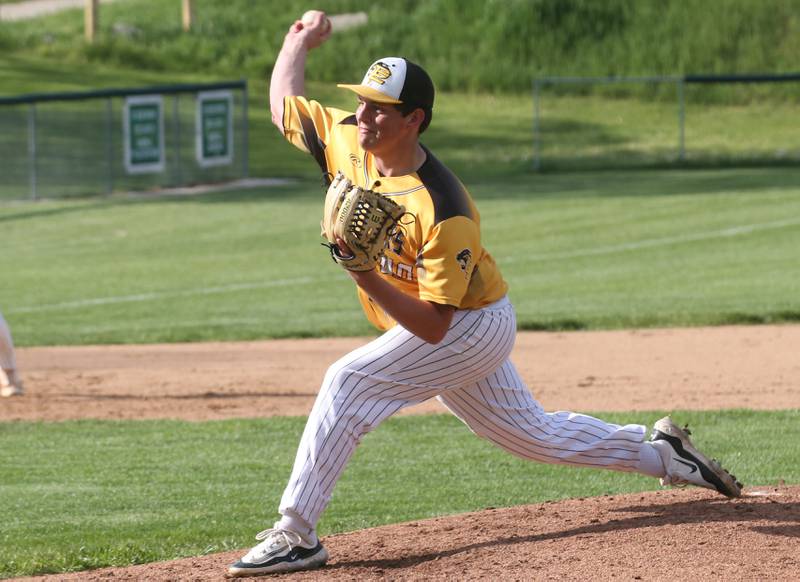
point(365, 220)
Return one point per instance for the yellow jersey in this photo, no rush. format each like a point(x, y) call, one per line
point(436, 254)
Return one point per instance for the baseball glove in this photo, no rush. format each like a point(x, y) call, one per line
point(363, 219)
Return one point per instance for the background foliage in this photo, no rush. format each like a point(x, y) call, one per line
point(468, 45)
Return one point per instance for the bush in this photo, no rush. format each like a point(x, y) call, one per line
point(467, 45)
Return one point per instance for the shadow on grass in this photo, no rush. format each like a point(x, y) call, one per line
point(198, 396)
point(33, 211)
point(555, 325)
point(639, 183)
point(306, 190)
point(721, 320)
point(788, 316)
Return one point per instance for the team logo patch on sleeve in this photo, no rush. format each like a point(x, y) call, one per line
point(464, 258)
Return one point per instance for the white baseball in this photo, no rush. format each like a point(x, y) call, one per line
point(309, 17)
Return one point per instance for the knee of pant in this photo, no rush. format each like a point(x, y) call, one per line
point(336, 377)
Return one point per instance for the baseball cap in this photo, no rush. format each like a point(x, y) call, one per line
point(396, 80)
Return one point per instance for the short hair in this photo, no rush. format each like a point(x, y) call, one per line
point(408, 108)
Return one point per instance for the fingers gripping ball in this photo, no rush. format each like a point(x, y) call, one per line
point(316, 18)
point(363, 219)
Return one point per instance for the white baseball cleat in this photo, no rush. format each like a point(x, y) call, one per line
point(10, 384)
point(11, 390)
point(281, 550)
point(686, 465)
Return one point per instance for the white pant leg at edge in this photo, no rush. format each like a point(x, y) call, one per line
point(373, 382)
point(501, 409)
point(7, 358)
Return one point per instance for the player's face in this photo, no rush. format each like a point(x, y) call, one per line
point(380, 126)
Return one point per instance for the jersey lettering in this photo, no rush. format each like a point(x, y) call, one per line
point(397, 270)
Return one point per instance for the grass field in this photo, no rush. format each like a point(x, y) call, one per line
point(88, 494)
point(580, 251)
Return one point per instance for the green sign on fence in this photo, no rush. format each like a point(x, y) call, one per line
point(144, 134)
point(214, 128)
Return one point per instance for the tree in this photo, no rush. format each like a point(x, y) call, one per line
point(187, 15)
point(90, 19)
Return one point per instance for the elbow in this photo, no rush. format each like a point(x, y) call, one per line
point(436, 335)
point(433, 340)
point(277, 119)
point(438, 324)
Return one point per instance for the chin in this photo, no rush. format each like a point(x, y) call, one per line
point(367, 145)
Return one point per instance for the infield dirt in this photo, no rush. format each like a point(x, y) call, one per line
point(660, 535)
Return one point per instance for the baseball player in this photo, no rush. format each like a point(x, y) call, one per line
point(439, 297)
point(10, 382)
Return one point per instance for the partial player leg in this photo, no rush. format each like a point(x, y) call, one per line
point(359, 391)
point(10, 382)
point(372, 383)
point(501, 409)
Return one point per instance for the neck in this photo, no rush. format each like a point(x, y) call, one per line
point(400, 161)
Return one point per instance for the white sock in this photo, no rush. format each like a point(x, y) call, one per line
point(291, 521)
point(8, 377)
point(650, 461)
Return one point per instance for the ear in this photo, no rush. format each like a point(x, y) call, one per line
point(415, 118)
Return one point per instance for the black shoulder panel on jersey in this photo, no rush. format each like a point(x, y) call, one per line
point(448, 195)
point(313, 143)
point(350, 120)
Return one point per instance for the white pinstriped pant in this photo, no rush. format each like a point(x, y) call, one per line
point(469, 371)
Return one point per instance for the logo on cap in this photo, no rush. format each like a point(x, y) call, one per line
point(379, 73)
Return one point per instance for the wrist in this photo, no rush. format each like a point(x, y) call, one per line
point(295, 42)
point(363, 277)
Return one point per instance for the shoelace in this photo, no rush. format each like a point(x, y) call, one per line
point(290, 538)
point(674, 481)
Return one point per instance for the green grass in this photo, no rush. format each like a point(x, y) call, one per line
point(602, 133)
point(22, 74)
point(87, 494)
point(580, 251)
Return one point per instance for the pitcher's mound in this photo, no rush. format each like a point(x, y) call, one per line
point(690, 534)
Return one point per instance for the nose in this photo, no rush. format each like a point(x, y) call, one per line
point(362, 113)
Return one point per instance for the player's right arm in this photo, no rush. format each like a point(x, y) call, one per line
point(288, 75)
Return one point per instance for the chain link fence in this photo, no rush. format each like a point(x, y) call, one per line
point(669, 121)
point(75, 144)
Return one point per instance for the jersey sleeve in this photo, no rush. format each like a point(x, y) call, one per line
point(308, 125)
point(447, 261)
